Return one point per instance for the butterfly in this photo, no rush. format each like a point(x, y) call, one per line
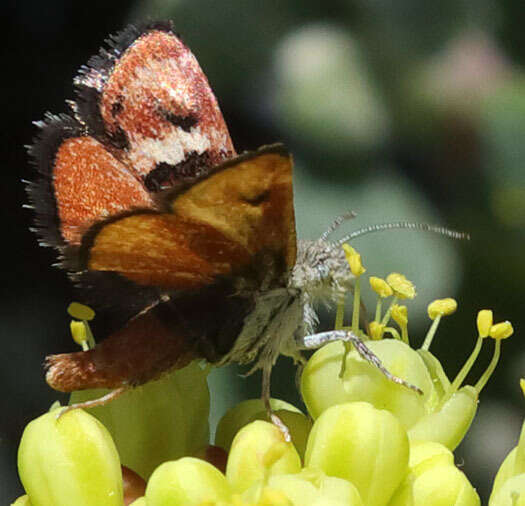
point(154, 214)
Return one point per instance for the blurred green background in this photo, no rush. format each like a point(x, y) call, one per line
point(402, 110)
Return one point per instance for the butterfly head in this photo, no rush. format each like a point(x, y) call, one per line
point(321, 271)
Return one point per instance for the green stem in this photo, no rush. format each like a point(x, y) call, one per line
point(340, 313)
point(90, 339)
point(404, 334)
point(462, 374)
point(379, 306)
point(393, 332)
point(490, 369)
point(357, 301)
point(430, 333)
point(385, 319)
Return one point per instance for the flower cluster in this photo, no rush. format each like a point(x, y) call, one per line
point(365, 441)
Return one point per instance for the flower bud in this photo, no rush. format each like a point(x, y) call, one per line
point(163, 407)
point(186, 482)
point(363, 445)
point(513, 466)
point(435, 483)
point(511, 493)
point(23, 500)
point(448, 424)
point(259, 450)
point(312, 487)
point(253, 409)
point(69, 460)
point(322, 387)
point(441, 307)
point(141, 501)
point(402, 287)
point(425, 450)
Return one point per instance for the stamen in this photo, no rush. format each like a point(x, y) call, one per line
point(431, 333)
point(85, 314)
point(400, 316)
point(356, 266)
point(405, 225)
point(339, 314)
point(498, 332)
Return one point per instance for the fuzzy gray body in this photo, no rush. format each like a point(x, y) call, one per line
point(283, 317)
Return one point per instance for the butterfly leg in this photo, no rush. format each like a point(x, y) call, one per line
point(315, 341)
point(265, 397)
point(101, 401)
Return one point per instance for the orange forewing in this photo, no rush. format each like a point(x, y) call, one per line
point(91, 184)
point(216, 227)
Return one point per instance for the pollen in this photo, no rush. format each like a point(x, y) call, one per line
point(79, 333)
point(399, 314)
point(442, 307)
point(484, 322)
point(376, 330)
point(501, 330)
point(402, 287)
point(381, 287)
point(80, 311)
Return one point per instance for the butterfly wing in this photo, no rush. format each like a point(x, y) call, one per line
point(149, 99)
point(216, 245)
point(225, 225)
point(145, 119)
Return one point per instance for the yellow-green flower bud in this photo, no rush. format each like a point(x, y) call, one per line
point(23, 500)
point(449, 423)
point(258, 451)
point(80, 311)
point(400, 315)
point(354, 260)
point(434, 482)
point(363, 445)
point(510, 471)
point(186, 482)
point(501, 330)
point(376, 330)
point(484, 322)
point(312, 487)
point(136, 419)
point(69, 460)
point(322, 387)
point(511, 493)
point(141, 501)
point(381, 287)
point(441, 307)
point(425, 450)
point(253, 409)
point(402, 287)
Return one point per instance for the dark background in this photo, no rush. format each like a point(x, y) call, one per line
point(398, 110)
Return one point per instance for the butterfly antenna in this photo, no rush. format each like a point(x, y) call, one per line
point(404, 225)
point(336, 223)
